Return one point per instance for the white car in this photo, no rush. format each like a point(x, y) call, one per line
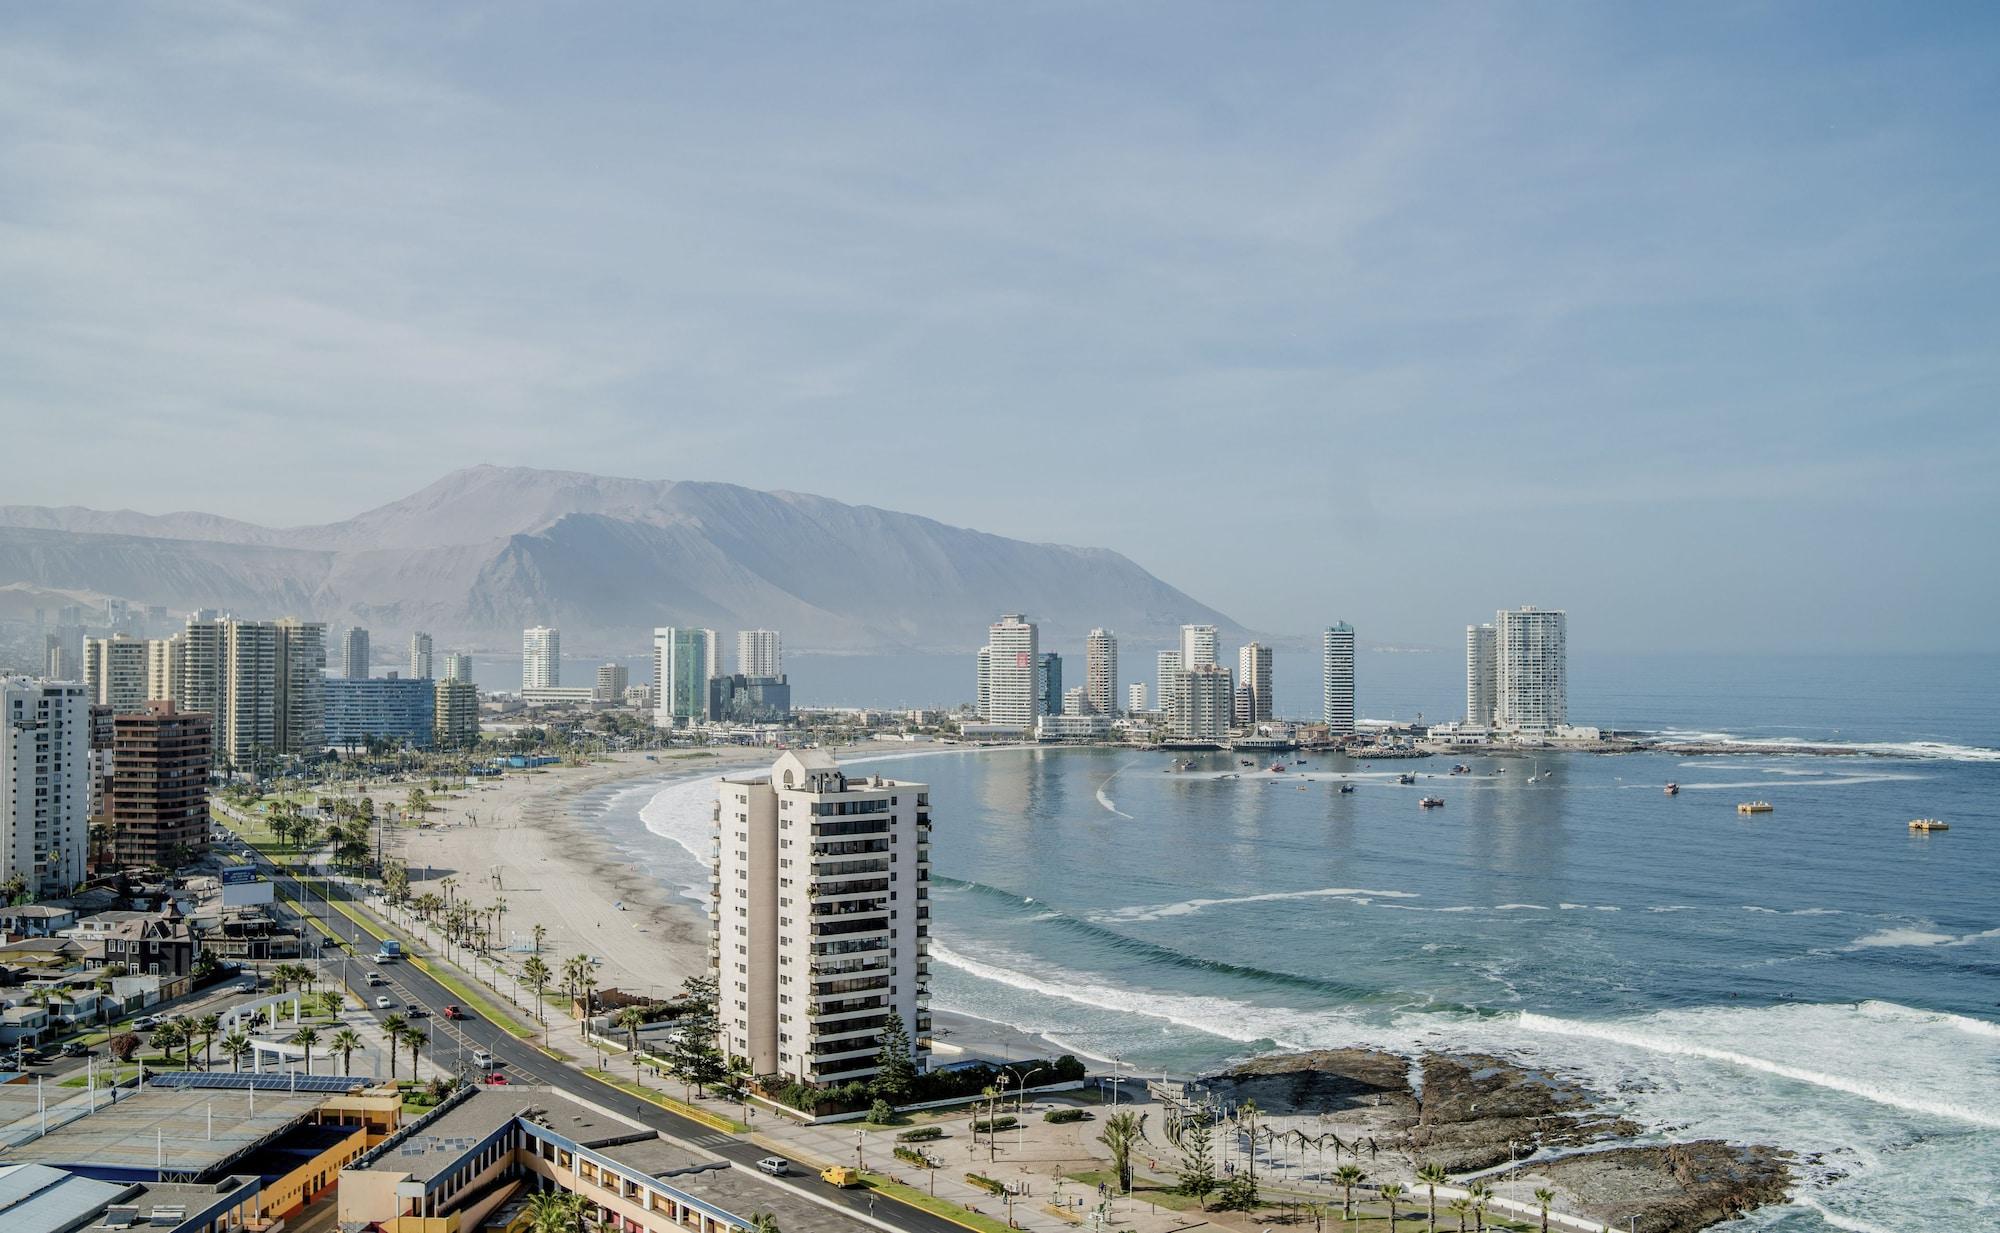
point(776, 1166)
point(383, 1003)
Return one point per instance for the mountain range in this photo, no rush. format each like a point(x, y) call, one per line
point(486, 551)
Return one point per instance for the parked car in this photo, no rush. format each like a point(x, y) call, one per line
point(146, 1023)
point(776, 1166)
point(497, 1079)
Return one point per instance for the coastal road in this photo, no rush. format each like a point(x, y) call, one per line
point(522, 1062)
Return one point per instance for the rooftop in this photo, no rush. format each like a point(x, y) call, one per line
point(439, 1145)
point(180, 1130)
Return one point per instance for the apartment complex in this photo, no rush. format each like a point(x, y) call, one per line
point(1100, 672)
point(391, 708)
point(420, 656)
point(1482, 674)
point(457, 666)
point(455, 714)
point(612, 682)
point(541, 658)
point(354, 653)
point(1048, 683)
point(821, 917)
point(115, 672)
point(1253, 677)
point(1135, 698)
point(1336, 670)
point(158, 801)
point(739, 699)
point(261, 682)
point(1203, 705)
point(1013, 672)
point(1197, 645)
point(758, 653)
point(44, 783)
point(1530, 670)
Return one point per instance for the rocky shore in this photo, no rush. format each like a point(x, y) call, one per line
point(1472, 1112)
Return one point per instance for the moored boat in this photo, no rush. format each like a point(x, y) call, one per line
point(1431, 802)
point(1926, 825)
point(1754, 807)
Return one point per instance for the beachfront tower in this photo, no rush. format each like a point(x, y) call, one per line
point(44, 789)
point(1048, 684)
point(1481, 675)
point(1531, 671)
point(1168, 690)
point(541, 658)
point(1206, 703)
point(421, 668)
point(354, 653)
point(1336, 676)
point(1014, 672)
point(1197, 645)
point(984, 695)
point(1135, 698)
point(681, 671)
point(813, 948)
point(1100, 672)
point(758, 653)
point(1253, 673)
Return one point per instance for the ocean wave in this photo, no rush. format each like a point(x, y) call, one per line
point(1910, 1014)
point(1188, 907)
point(1930, 750)
point(1663, 1042)
point(1910, 936)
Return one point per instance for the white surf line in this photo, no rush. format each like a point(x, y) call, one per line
point(1104, 797)
point(1942, 1109)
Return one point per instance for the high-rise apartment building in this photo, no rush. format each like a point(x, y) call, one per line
point(455, 722)
point(821, 917)
point(681, 670)
point(983, 691)
point(612, 682)
point(163, 667)
point(158, 802)
point(1205, 705)
point(1135, 698)
point(1048, 684)
point(44, 783)
point(758, 653)
point(1336, 678)
point(1076, 701)
point(1168, 691)
point(1197, 645)
point(420, 657)
point(262, 683)
point(457, 666)
point(1482, 679)
point(1014, 673)
point(1253, 673)
point(541, 657)
point(384, 708)
point(114, 672)
point(1531, 670)
point(354, 653)
point(1100, 671)
point(52, 657)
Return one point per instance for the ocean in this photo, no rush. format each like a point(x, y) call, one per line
point(1817, 978)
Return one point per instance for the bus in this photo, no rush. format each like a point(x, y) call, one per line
point(390, 951)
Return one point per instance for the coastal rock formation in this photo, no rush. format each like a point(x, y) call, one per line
point(1671, 1188)
point(1470, 1112)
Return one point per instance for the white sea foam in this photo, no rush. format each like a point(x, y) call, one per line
point(1920, 937)
point(1104, 799)
point(1188, 907)
point(1521, 907)
point(1936, 750)
point(1837, 1220)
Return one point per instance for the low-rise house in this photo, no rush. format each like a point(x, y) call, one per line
point(35, 920)
point(24, 1025)
point(159, 944)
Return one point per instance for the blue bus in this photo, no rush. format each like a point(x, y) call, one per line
point(390, 951)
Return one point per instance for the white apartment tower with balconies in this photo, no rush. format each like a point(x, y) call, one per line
point(421, 659)
point(1013, 673)
point(1197, 646)
point(759, 653)
point(1100, 672)
point(820, 909)
point(44, 783)
point(1481, 675)
point(1336, 670)
point(541, 658)
point(1530, 670)
point(1253, 672)
point(115, 672)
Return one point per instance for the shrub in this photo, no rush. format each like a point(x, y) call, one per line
point(1004, 1122)
point(922, 1134)
point(881, 1112)
point(1066, 1115)
point(915, 1156)
point(986, 1183)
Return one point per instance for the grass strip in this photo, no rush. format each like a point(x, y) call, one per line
point(714, 1121)
point(944, 1209)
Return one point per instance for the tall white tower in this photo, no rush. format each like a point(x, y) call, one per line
point(1531, 670)
point(1013, 671)
point(44, 783)
point(1481, 674)
point(1197, 646)
point(541, 657)
point(1253, 672)
point(420, 657)
point(354, 653)
point(1336, 665)
point(758, 653)
point(1100, 671)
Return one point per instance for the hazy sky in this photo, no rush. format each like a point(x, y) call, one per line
point(1685, 318)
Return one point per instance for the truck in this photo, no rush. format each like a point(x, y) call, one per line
point(390, 951)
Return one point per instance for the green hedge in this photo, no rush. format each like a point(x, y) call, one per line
point(922, 1134)
point(1004, 1122)
point(914, 1156)
point(986, 1183)
point(1066, 1115)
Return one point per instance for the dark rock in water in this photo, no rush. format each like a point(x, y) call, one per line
point(1674, 1187)
point(1329, 1081)
point(1480, 1111)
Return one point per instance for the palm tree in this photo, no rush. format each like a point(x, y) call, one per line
point(1545, 1196)
point(330, 1003)
point(632, 1018)
point(236, 1046)
point(1391, 1191)
point(392, 1033)
point(540, 932)
point(345, 1042)
point(416, 1038)
point(537, 974)
point(1480, 1194)
point(1121, 1132)
point(1348, 1176)
point(208, 1025)
point(556, 1211)
point(167, 1037)
point(306, 1037)
point(1248, 1113)
point(1432, 1176)
point(764, 1222)
point(500, 917)
point(1460, 1207)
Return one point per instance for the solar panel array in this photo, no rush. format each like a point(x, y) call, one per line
point(227, 1081)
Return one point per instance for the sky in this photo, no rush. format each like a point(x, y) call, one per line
point(1683, 318)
